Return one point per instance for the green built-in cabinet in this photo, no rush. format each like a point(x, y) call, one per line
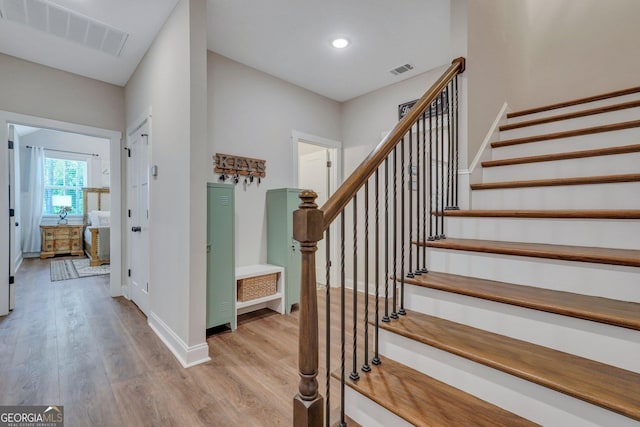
point(221, 264)
point(282, 249)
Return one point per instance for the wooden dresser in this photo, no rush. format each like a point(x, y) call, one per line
point(61, 239)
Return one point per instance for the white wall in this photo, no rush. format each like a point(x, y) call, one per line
point(252, 114)
point(41, 91)
point(171, 80)
point(366, 117)
point(535, 52)
point(574, 48)
point(491, 51)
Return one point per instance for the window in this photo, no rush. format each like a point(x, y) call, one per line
point(64, 177)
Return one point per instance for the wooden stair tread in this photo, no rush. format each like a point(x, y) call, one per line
point(567, 134)
point(627, 257)
point(579, 101)
point(624, 149)
point(604, 310)
point(574, 115)
point(607, 386)
point(424, 401)
point(587, 214)
point(580, 180)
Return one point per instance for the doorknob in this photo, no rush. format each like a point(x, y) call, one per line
point(138, 229)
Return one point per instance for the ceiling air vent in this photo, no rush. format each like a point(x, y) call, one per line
point(401, 69)
point(60, 22)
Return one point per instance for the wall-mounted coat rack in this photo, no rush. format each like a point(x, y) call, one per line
point(233, 167)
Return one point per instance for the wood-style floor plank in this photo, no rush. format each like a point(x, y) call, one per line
point(628, 257)
point(598, 309)
point(412, 395)
point(609, 387)
point(70, 343)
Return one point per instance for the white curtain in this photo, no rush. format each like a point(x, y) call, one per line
point(32, 210)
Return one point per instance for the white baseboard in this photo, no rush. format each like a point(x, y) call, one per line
point(19, 260)
point(484, 153)
point(187, 356)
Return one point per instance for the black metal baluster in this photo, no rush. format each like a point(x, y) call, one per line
point(354, 373)
point(394, 312)
point(418, 270)
point(365, 364)
point(426, 166)
point(386, 240)
point(449, 151)
point(410, 274)
point(442, 190)
point(455, 141)
point(437, 174)
point(327, 403)
point(376, 355)
point(343, 325)
point(402, 225)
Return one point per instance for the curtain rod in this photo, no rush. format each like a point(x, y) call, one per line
point(67, 151)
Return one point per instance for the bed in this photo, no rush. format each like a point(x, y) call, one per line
point(97, 221)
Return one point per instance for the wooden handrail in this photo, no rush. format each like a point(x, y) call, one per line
point(309, 224)
point(356, 180)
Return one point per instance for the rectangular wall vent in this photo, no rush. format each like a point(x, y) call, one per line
point(401, 69)
point(60, 22)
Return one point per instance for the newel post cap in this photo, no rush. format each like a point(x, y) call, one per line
point(308, 221)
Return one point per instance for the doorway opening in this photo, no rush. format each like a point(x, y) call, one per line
point(67, 155)
point(317, 166)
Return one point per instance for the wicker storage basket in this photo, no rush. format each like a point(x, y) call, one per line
point(257, 287)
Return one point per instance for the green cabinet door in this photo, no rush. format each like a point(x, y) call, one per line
point(282, 249)
point(221, 266)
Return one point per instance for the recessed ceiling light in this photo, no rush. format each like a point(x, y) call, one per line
point(340, 43)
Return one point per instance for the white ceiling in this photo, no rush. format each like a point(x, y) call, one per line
point(289, 39)
point(141, 19)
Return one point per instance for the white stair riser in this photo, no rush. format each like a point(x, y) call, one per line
point(574, 108)
point(536, 403)
point(564, 145)
point(627, 115)
point(587, 166)
point(623, 195)
point(604, 343)
point(368, 413)
point(609, 281)
point(606, 233)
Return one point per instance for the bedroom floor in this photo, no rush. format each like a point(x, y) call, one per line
point(69, 343)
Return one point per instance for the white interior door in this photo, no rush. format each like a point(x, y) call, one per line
point(12, 219)
point(138, 217)
point(314, 172)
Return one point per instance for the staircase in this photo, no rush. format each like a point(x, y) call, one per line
point(530, 312)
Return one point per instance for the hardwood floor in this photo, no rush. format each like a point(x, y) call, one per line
point(70, 343)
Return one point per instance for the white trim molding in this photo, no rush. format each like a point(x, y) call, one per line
point(8, 117)
point(188, 356)
point(492, 135)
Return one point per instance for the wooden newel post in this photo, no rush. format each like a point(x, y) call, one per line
point(308, 230)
